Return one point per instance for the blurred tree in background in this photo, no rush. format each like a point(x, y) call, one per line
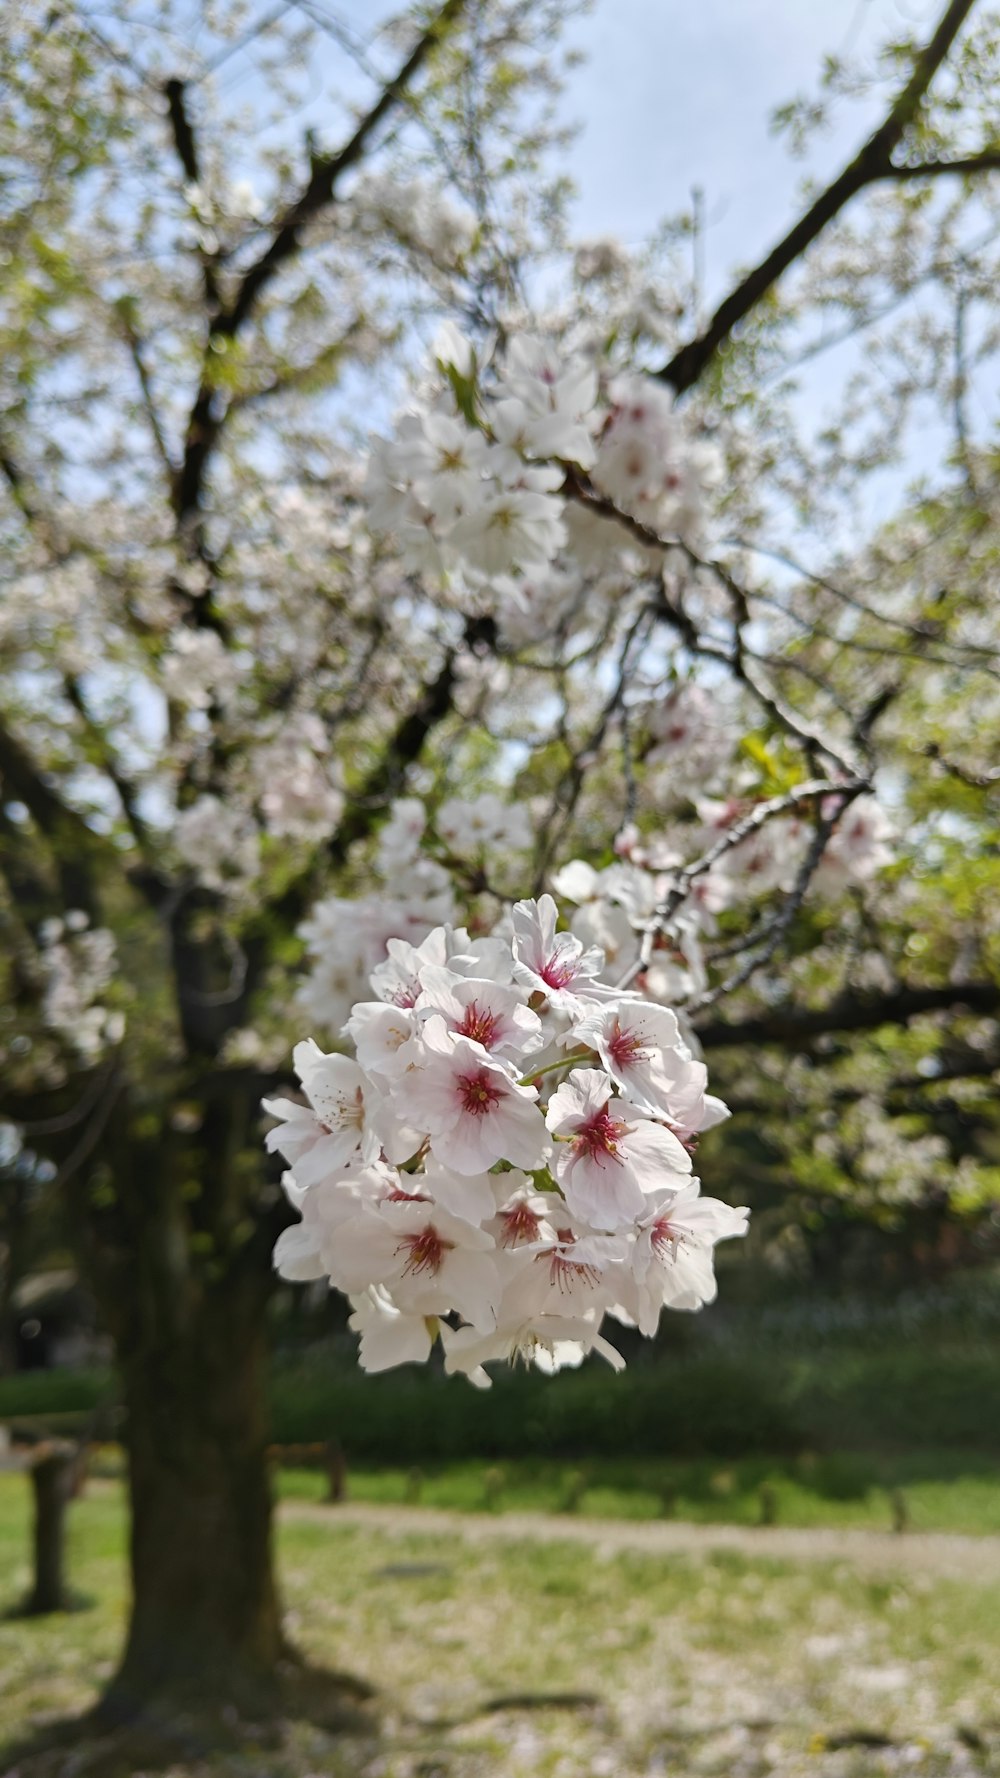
point(223, 664)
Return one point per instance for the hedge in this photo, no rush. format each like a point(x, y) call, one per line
point(702, 1404)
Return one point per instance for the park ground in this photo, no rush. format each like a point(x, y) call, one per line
point(504, 1646)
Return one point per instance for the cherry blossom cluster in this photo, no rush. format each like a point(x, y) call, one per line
point(417, 863)
point(770, 857)
point(472, 484)
point(426, 862)
point(77, 963)
point(616, 905)
point(219, 841)
point(414, 211)
point(506, 1159)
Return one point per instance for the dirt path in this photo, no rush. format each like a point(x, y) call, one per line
point(941, 1554)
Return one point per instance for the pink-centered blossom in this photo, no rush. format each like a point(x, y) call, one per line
point(609, 1155)
point(487, 1013)
point(430, 1261)
point(335, 1127)
point(549, 962)
point(641, 1048)
point(672, 1263)
point(472, 1109)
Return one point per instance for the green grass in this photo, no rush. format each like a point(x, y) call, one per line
point(714, 1663)
point(943, 1490)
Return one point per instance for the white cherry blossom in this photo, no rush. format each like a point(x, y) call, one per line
point(640, 1046)
point(548, 962)
point(611, 1155)
point(672, 1261)
point(549, 1342)
point(389, 1334)
point(386, 1037)
point(333, 1128)
point(486, 1012)
point(428, 1259)
point(514, 527)
point(473, 1110)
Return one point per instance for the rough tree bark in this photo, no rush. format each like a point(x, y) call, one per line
point(177, 1230)
point(52, 1485)
point(205, 1620)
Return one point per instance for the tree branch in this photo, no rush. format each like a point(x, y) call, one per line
point(872, 164)
point(175, 92)
point(135, 348)
point(905, 1094)
point(24, 499)
point(770, 940)
point(796, 1027)
point(71, 841)
point(302, 376)
point(987, 780)
point(105, 754)
point(385, 779)
point(576, 486)
point(206, 421)
point(985, 160)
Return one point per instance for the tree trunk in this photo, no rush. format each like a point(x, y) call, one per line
point(52, 1482)
point(205, 1620)
point(179, 1248)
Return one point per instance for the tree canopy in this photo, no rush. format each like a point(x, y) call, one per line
point(377, 555)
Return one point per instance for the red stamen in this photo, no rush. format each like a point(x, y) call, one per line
point(426, 1251)
point(479, 1092)
point(599, 1137)
point(480, 1025)
point(520, 1224)
point(625, 1048)
point(664, 1239)
point(562, 1271)
point(557, 975)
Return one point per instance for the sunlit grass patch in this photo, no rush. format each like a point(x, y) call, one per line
point(942, 1490)
point(510, 1658)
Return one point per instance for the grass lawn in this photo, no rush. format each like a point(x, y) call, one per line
point(942, 1490)
point(543, 1661)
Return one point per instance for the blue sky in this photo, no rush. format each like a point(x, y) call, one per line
point(670, 95)
point(673, 94)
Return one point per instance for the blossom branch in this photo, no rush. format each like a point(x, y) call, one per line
point(781, 924)
point(206, 419)
point(873, 163)
point(681, 881)
point(577, 486)
point(987, 780)
point(175, 93)
point(985, 160)
point(567, 793)
point(795, 1027)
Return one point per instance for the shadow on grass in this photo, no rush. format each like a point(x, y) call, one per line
point(29, 1608)
point(161, 1733)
